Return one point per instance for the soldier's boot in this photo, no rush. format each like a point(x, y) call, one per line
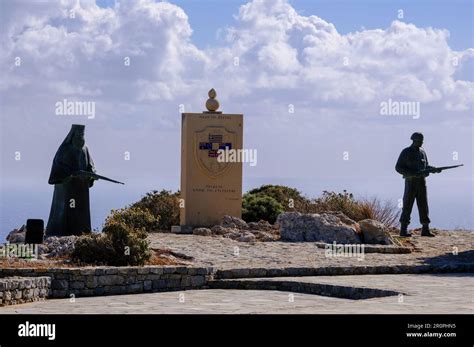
point(404, 230)
point(425, 231)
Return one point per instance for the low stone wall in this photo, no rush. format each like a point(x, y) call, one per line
point(17, 290)
point(95, 281)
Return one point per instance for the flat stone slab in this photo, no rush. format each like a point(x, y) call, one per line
point(425, 294)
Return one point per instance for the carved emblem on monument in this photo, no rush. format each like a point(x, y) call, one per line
point(207, 142)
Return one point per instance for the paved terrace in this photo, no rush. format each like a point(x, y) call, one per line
point(447, 293)
point(287, 267)
point(448, 248)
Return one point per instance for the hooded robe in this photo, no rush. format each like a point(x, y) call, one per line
point(70, 212)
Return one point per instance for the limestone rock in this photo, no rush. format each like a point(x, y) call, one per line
point(262, 225)
point(234, 222)
point(55, 246)
point(17, 235)
point(202, 231)
point(234, 234)
point(375, 232)
point(237, 229)
point(346, 220)
point(264, 236)
point(324, 227)
point(247, 237)
point(220, 230)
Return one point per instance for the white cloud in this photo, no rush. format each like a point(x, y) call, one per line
point(277, 48)
point(308, 54)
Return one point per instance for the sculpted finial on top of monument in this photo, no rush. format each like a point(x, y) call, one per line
point(212, 104)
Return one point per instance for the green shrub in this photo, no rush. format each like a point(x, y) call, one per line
point(130, 245)
point(135, 218)
point(282, 195)
point(117, 245)
point(93, 248)
point(257, 207)
point(163, 205)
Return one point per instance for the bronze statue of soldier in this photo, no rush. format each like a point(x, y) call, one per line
point(70, 212)
point(413, 165)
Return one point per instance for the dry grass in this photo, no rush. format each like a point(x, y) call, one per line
point(385, 212)
point(157, 258)
point(16, 263)
point(167, 253)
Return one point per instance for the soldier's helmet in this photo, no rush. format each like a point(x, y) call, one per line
point(416, 136)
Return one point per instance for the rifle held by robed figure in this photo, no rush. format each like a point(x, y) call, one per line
point(95, 176)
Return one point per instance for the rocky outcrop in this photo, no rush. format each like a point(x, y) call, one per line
point(52, 246)
point(237, 229)
point(346, 220)
point(221, 230)
point(375, 232)
point(202, 231)
point(55, 246)
point(246, 236)
point(17, 235)
point(323, 227)
point(234, 222)
point(262, 225)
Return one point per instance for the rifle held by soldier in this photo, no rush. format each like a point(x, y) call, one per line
point(433, 169)
point(439, 169)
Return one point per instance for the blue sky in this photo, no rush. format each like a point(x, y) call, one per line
point(333, 62)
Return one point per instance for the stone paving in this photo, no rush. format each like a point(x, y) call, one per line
point(424, 294)
point(449, 247)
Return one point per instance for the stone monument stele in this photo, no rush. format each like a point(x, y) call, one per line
point(210, 188)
